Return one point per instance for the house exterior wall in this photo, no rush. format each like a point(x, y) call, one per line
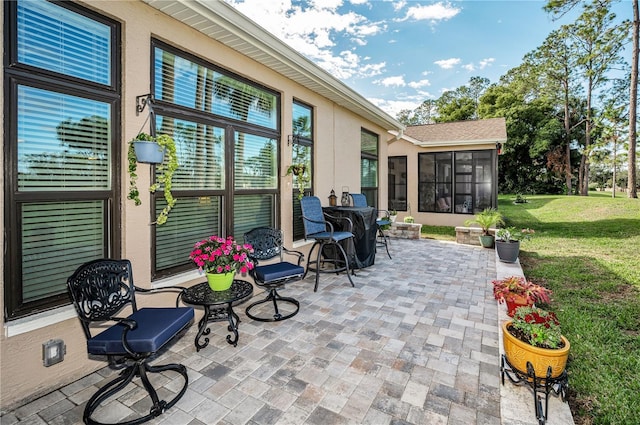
point(411, 151)
point(337, 164)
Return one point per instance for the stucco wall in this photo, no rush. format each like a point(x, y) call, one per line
point(337, 164)
point(411, 151)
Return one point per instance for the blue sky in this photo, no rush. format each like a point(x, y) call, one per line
point(399, 53)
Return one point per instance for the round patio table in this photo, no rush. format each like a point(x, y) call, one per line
point(218, 306)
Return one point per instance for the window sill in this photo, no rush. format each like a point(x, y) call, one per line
point(39, 321)
point(178, 279)
point(60, 314)
point(301, 243)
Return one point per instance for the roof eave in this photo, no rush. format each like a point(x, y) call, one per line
point(442, 143)
point(220, 21)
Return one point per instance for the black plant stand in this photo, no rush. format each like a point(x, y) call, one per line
point(539, 385)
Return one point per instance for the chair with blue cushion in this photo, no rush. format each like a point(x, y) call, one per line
point(383, 220)
point(267, 244)
point(325, 237)
point(104, 297)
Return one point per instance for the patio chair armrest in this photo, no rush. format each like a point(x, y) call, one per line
point(178, 289)
point(298, 254)
point(129, 325)
point(385, 212)
point(336, 218)
point(326, 223)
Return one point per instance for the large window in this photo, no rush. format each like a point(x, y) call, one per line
point(397, 182)
point(456, 182)
point(369, 166)
point(302, 153)
point(226, 132)
point(434, 183)
point(62, 107)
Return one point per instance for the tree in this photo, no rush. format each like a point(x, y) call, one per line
point(533, 129)
point(632, 183)
point(462, 103)
point(560, 7)
point(598, 42)
point(557, 63)
point(423, 114)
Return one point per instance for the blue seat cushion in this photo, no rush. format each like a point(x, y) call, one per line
point(337, 236)
point(383, 222)
point(156, 326)
point(273, 272)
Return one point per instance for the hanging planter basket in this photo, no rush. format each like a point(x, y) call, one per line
point(149, 152)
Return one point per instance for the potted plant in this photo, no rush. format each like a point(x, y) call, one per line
point(520, 199)
point(508, 243)
point(220, 258)
point(534, 336)
point(485, 219)
point(299, 171)
point(166, 168)
point(517, 291)
point(393, 214)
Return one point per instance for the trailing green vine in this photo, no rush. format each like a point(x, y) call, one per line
point(166, 171)
point(301, 176)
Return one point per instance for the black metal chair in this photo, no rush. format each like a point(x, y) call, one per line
point(100, 290)
point(322, 231)
point(267, 244)
point(383, 220)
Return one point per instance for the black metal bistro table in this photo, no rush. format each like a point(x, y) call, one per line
point(364, 232)
point(215, 309)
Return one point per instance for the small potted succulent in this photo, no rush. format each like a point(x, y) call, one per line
point(517, 291)
point(508, 242)
point(485, 219)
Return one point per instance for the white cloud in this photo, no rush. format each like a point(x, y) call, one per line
point(419, 84)
point(486, 62)
point(448, 63)
point(432, 12)
point(395, 81)
point(372, 69)
point(469, 67)
point(310, 29)
point(399, 5)
point(392, 107)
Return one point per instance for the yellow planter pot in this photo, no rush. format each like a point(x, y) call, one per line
point(519, 353)
point(220, 281)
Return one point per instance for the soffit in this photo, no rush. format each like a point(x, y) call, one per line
point(221, 22)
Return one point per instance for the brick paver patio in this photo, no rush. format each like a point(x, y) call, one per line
point(415, 342)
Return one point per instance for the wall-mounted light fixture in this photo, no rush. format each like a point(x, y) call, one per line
point(499, 148)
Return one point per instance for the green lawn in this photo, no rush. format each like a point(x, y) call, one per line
point(587, 250)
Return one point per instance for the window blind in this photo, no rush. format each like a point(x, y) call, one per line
point(183, 81)
point(200, 150)
point(64, 141)
point(191, 220)
point(56, 39)
point(251, 211)
point(255, 162)
point(58, 237)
